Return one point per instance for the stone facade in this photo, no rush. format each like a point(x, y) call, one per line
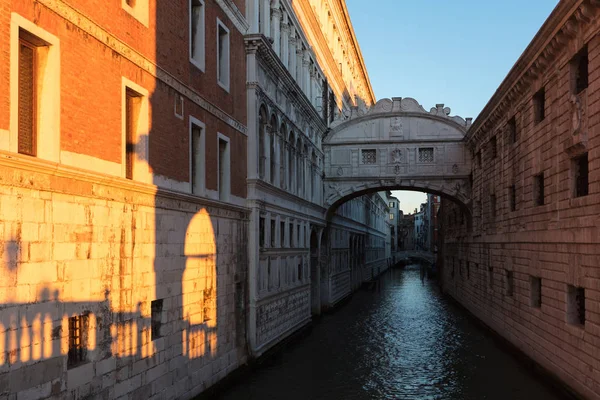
point(123, 231)
point(526, 263)
point(299, 255)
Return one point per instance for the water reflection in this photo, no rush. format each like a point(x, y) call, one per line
point(404, 341)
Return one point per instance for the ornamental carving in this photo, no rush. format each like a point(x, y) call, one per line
point(576, 113)
point(396, 156)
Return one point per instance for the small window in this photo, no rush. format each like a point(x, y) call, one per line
point(539, 106)
point(536, 291)
point(509, 283)
point(491, 277)
point(493, 147)
point(132, 112)
point(224, 175)
point(579, 71)
point(78, 340)
point(28, 97)
point(538, 190)
point(512, 194)
point(222, 55)
point(468, 269)
point(512, 130)
point(369, 156)
point(300, 272)
point(426, 155)
point(282, 234)
point(198, 164)
point(291, 234)
point(579, 166)
point(299, 238)
point(575, 305)
point(197, 32)
point(493, 206)
point(261, 232)
point(156, 309)
point(391, 204)
point(273, 235)
point(391, 216)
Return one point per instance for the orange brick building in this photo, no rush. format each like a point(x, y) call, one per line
point(122, 171)
point(527, 263)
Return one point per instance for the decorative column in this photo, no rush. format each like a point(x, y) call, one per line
point(299, 64)
point(292, 52)
point(253, 15)
point(275, 26)
point(267, 152)
point(285, 38)
point(312, 93)
point(265, 17)
point(306, 73)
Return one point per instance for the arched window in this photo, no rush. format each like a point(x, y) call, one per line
point(298, 167)
point(290, 154)
point(282, 162)
point(262, 123)
point(272, 149)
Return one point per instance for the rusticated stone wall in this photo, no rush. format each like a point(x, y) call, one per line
point(75, 244)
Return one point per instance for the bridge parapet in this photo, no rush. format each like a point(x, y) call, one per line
point(398, 144)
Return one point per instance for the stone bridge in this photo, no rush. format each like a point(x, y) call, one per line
point(397, 144)
point(422, 255)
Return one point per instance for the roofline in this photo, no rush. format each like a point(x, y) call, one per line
point(358, 51)
point(562, 12)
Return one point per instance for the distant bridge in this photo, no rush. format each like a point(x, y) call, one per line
point(422, 255)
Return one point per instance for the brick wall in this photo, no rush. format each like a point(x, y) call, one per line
point(491, 266)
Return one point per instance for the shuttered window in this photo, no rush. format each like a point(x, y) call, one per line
point(131, 112)
point(27, 98)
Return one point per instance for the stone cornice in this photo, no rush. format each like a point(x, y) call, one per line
point(357, 50)
point(264, 49)
point(94, 30)
point(555, 34)
point(100, 184)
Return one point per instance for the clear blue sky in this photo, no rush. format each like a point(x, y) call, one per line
point(452, 52)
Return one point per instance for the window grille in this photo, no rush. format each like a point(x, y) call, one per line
point(27, 98)
point(426, 155)
point(77, 340)
point(369, 156)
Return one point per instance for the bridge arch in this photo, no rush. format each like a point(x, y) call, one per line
point(397, 144)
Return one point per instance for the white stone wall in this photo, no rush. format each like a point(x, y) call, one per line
point(76, 244)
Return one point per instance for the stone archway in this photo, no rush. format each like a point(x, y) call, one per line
point(397, 144)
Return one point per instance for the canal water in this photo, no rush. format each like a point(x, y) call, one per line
point(402, 341)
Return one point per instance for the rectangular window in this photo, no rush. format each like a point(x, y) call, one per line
point(282, 234)
point(535, 284)
point(391, 204)
point(27, 100)
point(197, 29)
point(222, 55)
point(575, 305)
point(261, 232)
point(299, 238)
point(493, 148)
point(291, 234)
point(391, 216)
point(224, 175)
point(512, 130)
point(273, 233)
point(78, 340)
point(198, 164)
point(156, 308)
point(300, 272)
point(539, 106)
point(579, 167)
point(493, 207)
point(512, 196)
point(132, 112)
point(579, 71)
point(538, 190)
point(369, 156)
point(426, 155)
point(509, 283)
